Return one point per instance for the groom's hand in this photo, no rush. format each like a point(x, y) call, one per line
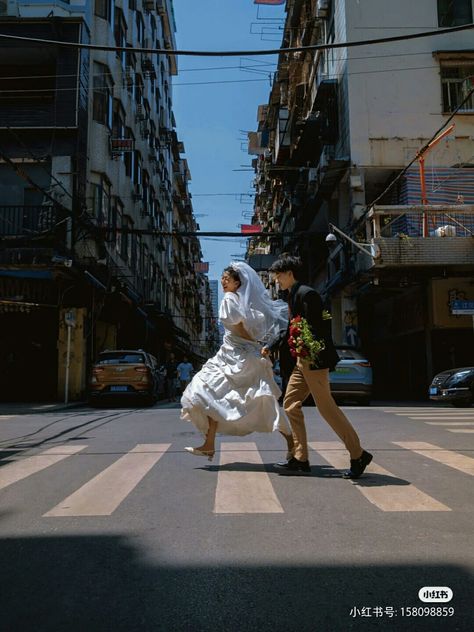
point(265, 351)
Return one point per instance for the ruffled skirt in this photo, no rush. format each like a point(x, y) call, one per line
point(236, 388)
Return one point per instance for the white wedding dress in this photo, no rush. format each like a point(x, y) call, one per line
point(236, 387)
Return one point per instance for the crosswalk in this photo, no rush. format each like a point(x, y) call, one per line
point(458, 421)
point(243, 483)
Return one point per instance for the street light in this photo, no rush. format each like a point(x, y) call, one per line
point(373, 251)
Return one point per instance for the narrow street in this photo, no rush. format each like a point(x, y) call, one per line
point(107, 524)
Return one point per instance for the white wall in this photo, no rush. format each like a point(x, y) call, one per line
point(395, 89)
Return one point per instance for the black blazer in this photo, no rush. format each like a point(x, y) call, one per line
point(305, 301)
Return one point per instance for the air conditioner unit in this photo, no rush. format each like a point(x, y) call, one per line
point(322, 8)
point(141, 114)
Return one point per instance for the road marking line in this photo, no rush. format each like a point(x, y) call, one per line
point(387, 497)
point(437, 417)
point(18, 470)
point(103, 494)
point(450, 423)
point(452, 459)
point(436, 413)
point(461, 430)
point(403, 411)
point(240, 491)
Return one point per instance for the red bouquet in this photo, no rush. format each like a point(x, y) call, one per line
point(302, 342)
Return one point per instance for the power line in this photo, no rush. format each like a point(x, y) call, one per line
point(9, 91)
point(92, 76)
point(419, 153)
point(252, 53)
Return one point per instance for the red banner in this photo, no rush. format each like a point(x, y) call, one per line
point(201, 266)
point(250, 229)
point(269, 1)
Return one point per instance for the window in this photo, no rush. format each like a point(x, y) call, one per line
point(118, 225)
point(118, 120)
point(103, 9)
point(126, 243)
point(140, 27)
point(454, 12)
point(138, 89)
point(129, 157)
point(120, 34)
point(457, 80)
point(102, 95)
point(137, 171)
point(100, 202)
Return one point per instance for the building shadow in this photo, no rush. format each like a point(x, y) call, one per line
point(105, 583)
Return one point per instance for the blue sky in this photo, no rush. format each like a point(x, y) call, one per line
point(209, 118)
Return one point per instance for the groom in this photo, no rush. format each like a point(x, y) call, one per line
point(305, 301)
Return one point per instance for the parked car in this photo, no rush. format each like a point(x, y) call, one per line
point(352, 379)
point(124, 374)
point(455, 386)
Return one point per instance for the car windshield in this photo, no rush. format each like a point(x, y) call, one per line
point(121, 358)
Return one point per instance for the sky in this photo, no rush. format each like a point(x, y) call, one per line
point(212, 118)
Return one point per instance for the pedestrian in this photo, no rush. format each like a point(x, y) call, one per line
point(185, 371)
point(235, 393)
point(310, 377)
point(171, 377)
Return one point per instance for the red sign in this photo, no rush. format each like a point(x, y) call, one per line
point(250, 229)
point(201, 266)
point(122, 145)
point(269, 1)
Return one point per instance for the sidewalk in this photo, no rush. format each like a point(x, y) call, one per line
point(32, 408)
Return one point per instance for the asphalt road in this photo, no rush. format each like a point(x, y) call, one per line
point(107, 524)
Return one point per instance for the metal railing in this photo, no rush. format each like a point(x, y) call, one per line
point(24, 221)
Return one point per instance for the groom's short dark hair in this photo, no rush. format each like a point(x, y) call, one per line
point(288, 263)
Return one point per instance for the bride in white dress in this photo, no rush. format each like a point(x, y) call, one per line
point(235, 393)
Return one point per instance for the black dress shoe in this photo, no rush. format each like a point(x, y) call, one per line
point(293, 465)
point(358, 465)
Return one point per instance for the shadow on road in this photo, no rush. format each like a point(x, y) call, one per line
point(102, 583)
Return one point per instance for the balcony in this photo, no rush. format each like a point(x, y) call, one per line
point(320, 126)
point(431, 235)
point(28, 221)
point(41, 86)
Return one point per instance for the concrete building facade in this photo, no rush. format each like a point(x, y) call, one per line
point(341, 125)
point(94, 193)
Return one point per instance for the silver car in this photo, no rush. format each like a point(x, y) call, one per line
point(352, 378)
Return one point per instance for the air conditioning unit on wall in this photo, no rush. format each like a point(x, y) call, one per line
point(322, 8)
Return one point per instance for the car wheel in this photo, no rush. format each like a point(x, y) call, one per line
point(364, 401)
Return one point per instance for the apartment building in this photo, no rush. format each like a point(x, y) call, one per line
point(340, 126)
point(93, 183)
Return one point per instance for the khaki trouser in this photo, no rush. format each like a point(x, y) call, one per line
point(302, 382)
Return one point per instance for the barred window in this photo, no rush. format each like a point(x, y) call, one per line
point(457, 80)
point(454, 12)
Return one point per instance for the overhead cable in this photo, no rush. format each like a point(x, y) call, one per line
point(252, 53)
